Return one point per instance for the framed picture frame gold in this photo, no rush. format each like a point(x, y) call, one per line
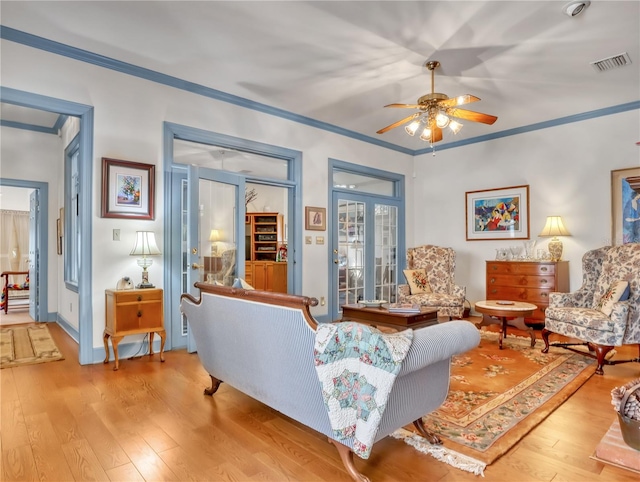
point(315, 218)
point(128, 189)
point(498, 213)
point(625, 205)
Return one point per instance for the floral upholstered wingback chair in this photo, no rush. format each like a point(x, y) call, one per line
point(440, 290)
point(605, 311)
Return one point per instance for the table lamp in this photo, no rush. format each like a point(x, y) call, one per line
point(145, 246)
point(214, 237)
point(554, 227)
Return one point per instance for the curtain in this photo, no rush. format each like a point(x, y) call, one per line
point(14, 242)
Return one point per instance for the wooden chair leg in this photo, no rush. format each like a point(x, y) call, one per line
point(347, 459)
point(601, 353)
point(545, 337)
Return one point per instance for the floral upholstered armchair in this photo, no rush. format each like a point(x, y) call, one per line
point(605, 311)
point(435, 288)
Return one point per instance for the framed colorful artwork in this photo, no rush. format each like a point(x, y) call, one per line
point(315, 218)
point(498, 213)
point(127, 189)
point(625, 206)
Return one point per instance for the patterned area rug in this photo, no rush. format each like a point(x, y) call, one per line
point(27, 345)
point(496, 397)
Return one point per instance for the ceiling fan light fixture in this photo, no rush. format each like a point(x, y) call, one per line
point(442, 120)
point(455, 126)
point(412, 128)
point(426, 135)
point(573, 9)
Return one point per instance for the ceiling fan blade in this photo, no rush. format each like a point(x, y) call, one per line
point(472, 116)
point(399, 123)
point(405, 106)
point(459, 100)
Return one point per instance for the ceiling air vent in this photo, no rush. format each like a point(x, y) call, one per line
point(609, 63)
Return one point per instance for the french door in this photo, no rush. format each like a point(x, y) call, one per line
point(213, 230)
point(364, 249)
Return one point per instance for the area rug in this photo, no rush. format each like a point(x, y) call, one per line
point(27, 345)
point(496, 397)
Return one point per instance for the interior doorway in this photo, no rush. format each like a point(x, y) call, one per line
point(18, 253)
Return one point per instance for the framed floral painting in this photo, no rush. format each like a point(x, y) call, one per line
point(127, 189)
point(498, 213)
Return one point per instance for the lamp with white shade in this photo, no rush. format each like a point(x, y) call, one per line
point(215, 236)
point(145, 246)
point(554, 227)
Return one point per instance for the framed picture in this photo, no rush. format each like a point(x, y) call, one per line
point(59, 222)
point(127, 189)
point(625, 206)
point(498, 213)
point(315, 218)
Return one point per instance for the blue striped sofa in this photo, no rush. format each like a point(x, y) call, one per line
point(262, 344)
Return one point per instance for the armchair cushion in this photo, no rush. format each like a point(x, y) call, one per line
point(619, 290)
point(417, 279)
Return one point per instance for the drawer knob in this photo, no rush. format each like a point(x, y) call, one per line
point(494, 268)
point(544, 268)
point(493, 292)
point(139, 298)
point(543, 281)
point(492, 280)
point(139, 314)
point(544, 295)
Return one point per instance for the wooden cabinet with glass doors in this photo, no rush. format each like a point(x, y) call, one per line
point(264, 267)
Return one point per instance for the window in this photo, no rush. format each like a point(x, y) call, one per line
point(71, 210)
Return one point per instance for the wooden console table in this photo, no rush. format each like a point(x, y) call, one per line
point(132, 312)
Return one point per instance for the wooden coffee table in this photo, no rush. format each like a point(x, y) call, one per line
point(514, 310)
point(381, 316)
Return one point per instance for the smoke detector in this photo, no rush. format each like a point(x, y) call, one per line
point(574, 9)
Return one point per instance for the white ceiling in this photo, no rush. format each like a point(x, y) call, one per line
point(341, 62)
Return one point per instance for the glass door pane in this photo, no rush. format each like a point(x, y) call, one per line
point(351, 252)
point(386, 239)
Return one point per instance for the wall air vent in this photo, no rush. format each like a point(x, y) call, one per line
point(613, 62)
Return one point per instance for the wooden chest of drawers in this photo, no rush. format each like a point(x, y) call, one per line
point(529, 281)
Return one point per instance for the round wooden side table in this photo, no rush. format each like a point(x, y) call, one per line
point(510, 313)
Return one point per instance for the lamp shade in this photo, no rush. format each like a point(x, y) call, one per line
point(145, 244)
point(214, 235)
point(554, 227)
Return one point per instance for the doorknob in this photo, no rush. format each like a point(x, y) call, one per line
point(335, 261)
point(196, 266)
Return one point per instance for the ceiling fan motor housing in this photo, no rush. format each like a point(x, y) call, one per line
point(433, 97)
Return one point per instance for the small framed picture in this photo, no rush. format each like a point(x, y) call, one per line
point(127, 189)
point(315, 218)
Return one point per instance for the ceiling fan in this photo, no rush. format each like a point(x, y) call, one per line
point(437, 111)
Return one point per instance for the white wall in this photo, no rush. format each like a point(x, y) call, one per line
point(128, 119)
point(568, 170)
point(14, 198)
point(35, 156)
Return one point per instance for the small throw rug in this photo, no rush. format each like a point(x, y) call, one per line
point(496, 397)
point(27, 345)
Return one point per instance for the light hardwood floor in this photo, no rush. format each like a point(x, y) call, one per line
point(150, 421)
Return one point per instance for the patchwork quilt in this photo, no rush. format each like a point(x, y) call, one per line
point(357, 366)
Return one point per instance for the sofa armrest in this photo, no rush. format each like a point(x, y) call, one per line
point(439, 342)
